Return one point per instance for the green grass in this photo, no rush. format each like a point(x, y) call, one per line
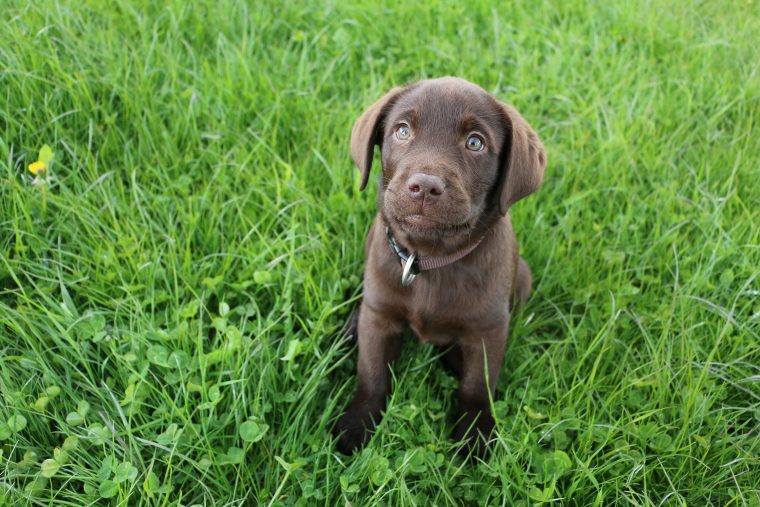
point(183, 275)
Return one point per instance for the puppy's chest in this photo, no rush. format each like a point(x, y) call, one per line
point(431, 330)
point(440, 310)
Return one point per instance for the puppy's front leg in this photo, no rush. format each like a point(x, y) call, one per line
point(379, 345)
point(476, 421)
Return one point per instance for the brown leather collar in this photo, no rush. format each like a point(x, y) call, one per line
point(414, 264)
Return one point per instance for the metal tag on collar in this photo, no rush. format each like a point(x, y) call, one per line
point(408, 276)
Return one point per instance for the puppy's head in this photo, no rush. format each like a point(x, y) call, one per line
point(453, 159)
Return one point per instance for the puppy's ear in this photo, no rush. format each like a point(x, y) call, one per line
point(524, 162)
point(368, 131)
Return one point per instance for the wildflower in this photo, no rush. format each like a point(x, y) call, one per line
point(40, 167)
point(37, 167)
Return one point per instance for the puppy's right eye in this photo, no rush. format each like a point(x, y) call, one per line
point(403, 133)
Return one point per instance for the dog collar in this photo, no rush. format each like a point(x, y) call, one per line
point(413, 264)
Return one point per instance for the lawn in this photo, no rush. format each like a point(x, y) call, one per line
point(173, 287)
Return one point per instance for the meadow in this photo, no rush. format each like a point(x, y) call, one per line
point(173, 286)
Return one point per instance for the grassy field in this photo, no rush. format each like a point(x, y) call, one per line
point(172, 290)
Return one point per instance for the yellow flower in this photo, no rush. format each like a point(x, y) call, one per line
point(37, 167)
point(44, 158)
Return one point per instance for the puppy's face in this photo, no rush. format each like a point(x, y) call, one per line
point(441, 146)
point(454, 159)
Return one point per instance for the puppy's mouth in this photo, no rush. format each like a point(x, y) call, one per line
point(424, 224)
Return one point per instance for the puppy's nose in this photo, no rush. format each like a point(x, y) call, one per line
point(424, 186)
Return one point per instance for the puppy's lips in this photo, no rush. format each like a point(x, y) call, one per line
point(425, 223)
point(420, 221)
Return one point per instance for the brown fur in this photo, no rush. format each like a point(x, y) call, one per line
point(467, 304)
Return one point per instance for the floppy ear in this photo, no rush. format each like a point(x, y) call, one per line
point(524, 164)
point(368, 131)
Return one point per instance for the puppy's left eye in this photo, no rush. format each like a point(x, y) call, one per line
point(475, 143)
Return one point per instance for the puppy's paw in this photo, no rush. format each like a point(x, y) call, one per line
point(351, 431)
point(474, 429)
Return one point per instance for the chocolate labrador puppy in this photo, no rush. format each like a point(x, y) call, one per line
point(441, 255)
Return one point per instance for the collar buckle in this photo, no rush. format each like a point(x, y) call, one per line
point(408, 260)
point(410, 273)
